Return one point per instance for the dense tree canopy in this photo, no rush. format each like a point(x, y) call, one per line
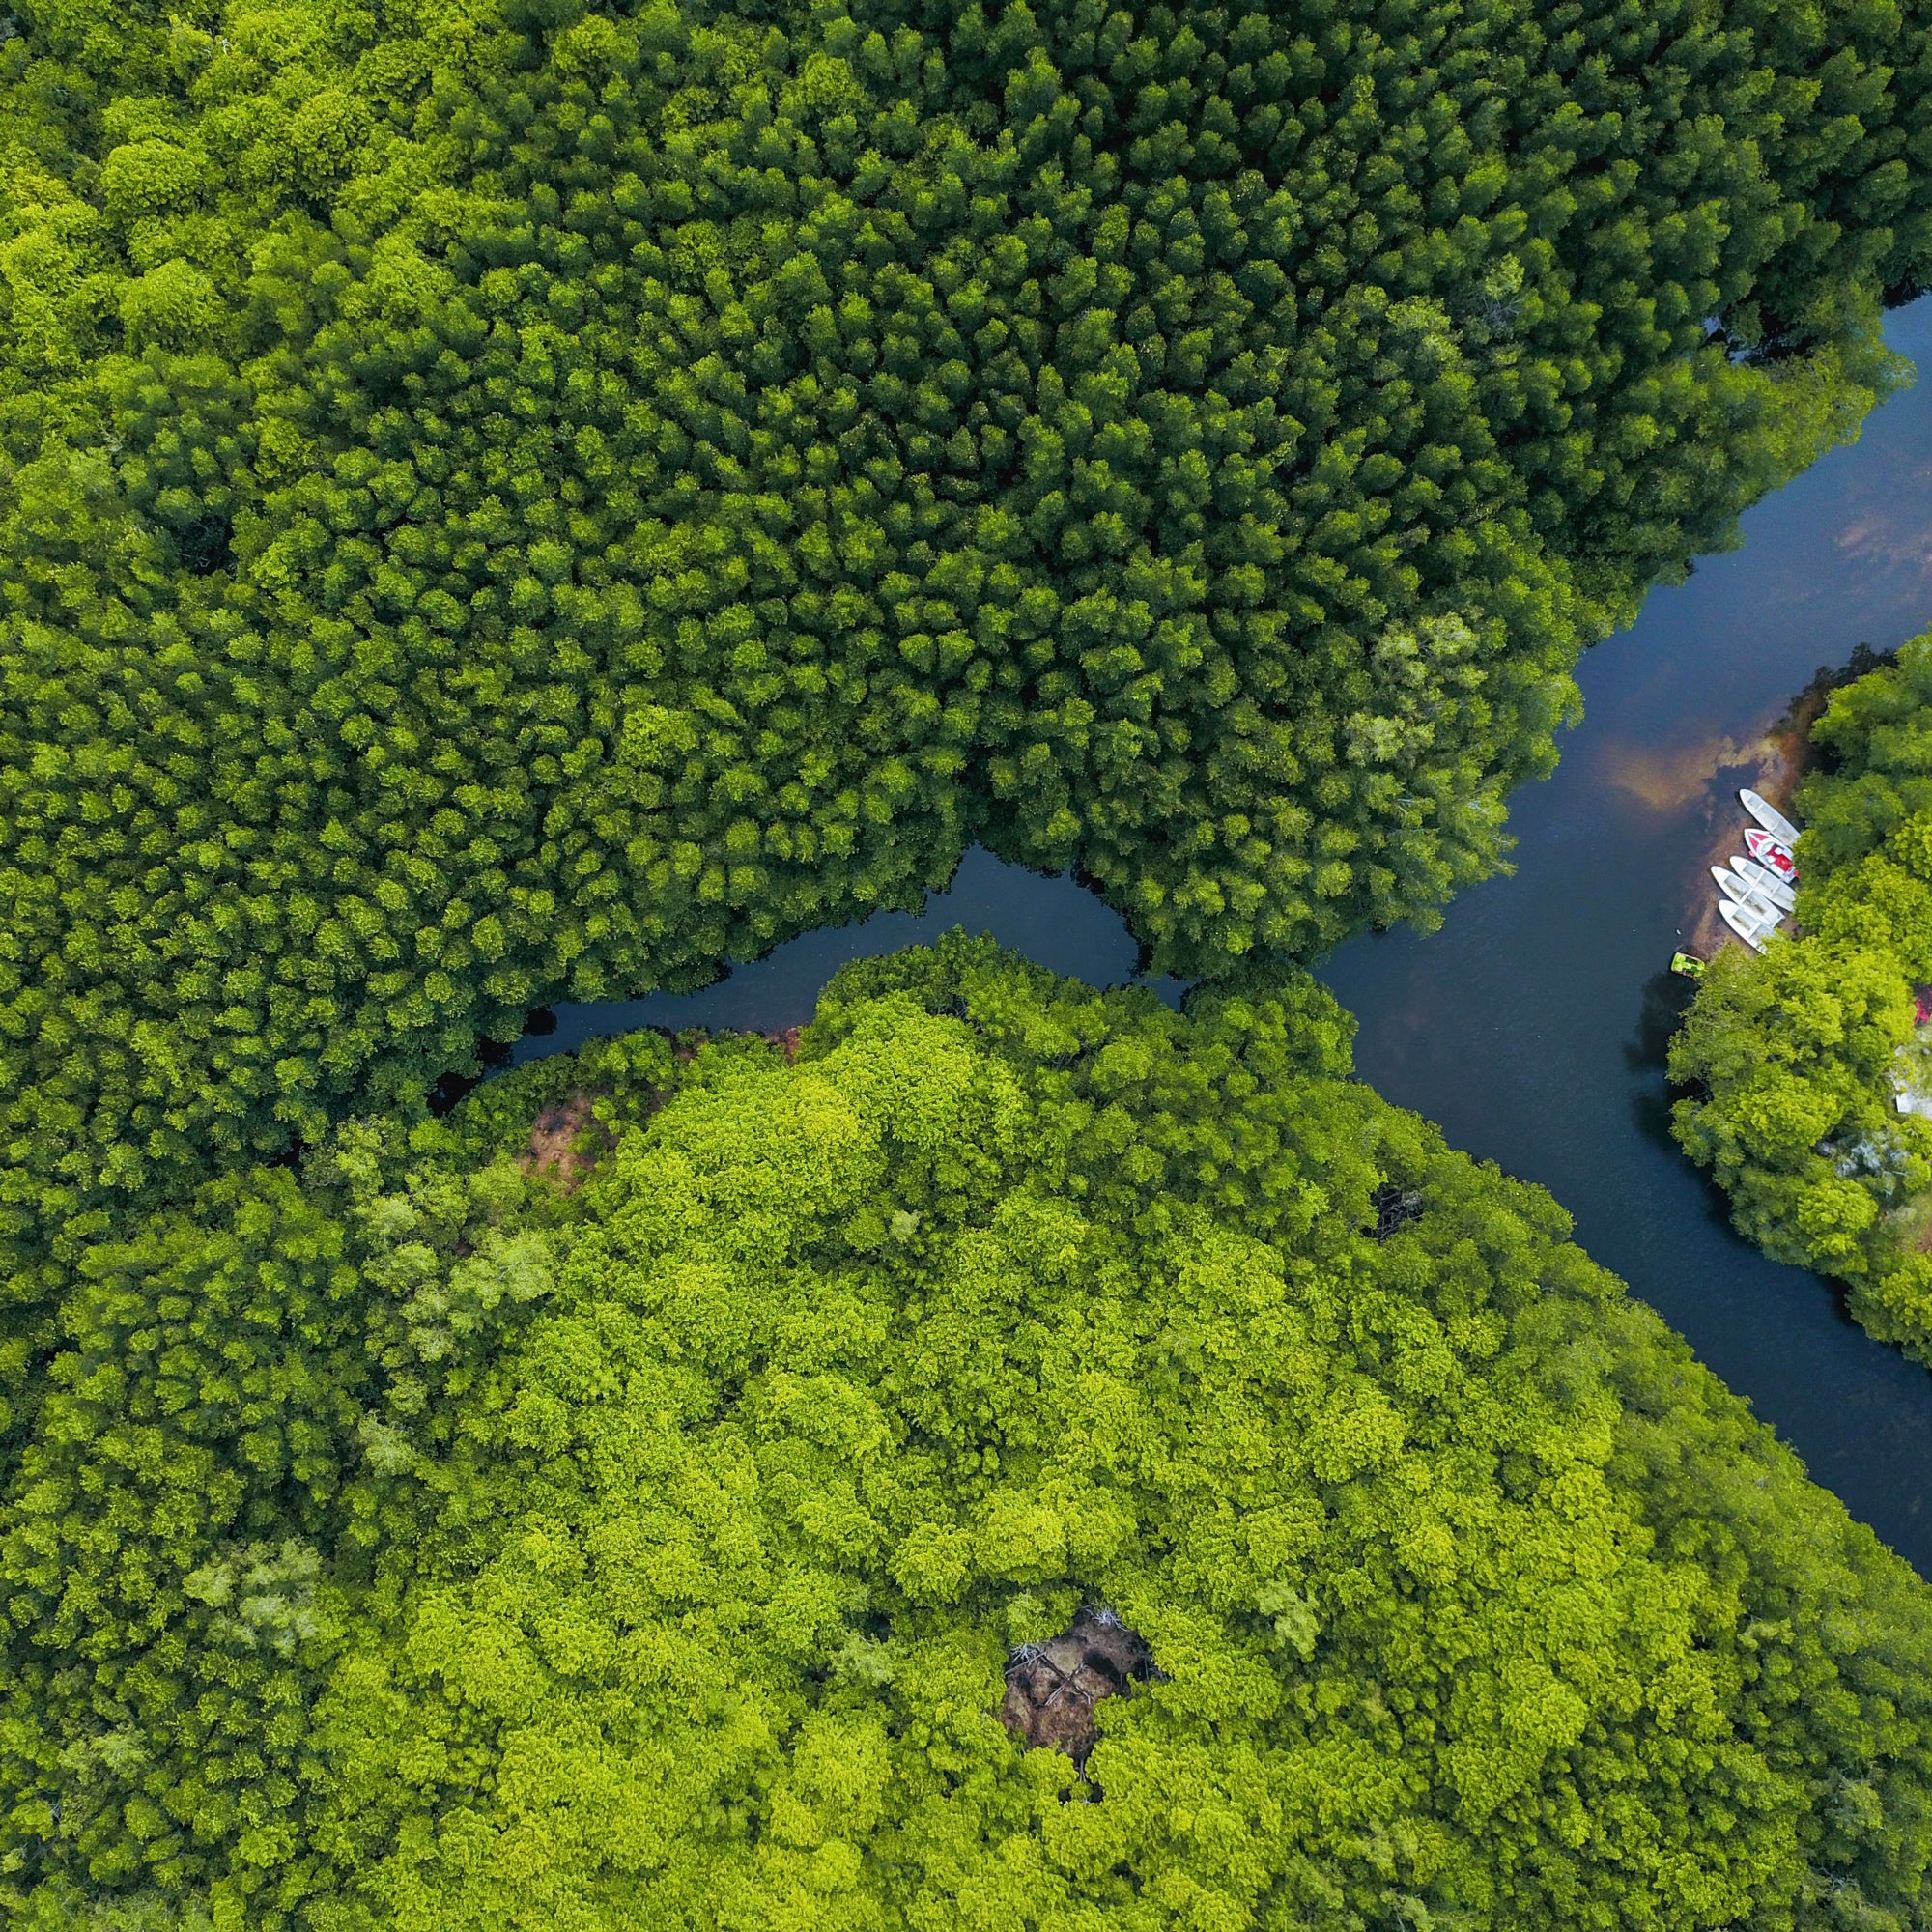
point(504, 504)
point(411, 1543)
point(501, 501)
point(1796, 1060)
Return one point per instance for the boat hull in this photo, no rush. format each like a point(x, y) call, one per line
point(1742, 923)
point(1738, 892)
point(1769, 816)
point(1766, 882)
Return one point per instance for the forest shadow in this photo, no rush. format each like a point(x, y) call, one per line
point(1666, 998)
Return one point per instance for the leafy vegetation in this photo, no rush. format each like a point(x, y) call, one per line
point(500, 505)
point(409, 1541)
point(501, 500)
point(1797, 1059)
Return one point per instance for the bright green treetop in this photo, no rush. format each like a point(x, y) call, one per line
point(1795, 1060)
point(655, 1553)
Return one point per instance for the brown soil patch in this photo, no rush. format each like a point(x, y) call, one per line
point(1052, 1687)
point(788, 1041)
point(566, 1142)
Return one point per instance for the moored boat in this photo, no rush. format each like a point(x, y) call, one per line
point(1741, 892)
point(1772, 854)
point(1769, 816)
point(1740, 920)
point(1767, 882)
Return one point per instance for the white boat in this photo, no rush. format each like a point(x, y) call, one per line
point(1773, 854)
point(1741, 892)
point(1740, 920)
point(1769, 816)
point(1767, 882)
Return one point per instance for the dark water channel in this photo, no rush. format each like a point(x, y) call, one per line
point(1532, 1026)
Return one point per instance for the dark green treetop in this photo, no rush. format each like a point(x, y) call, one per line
point(498, 506)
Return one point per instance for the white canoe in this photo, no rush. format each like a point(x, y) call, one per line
point(1767, 882)
point(1772, 854)
point(1769, 816)
point(1742, 923)
point(1741, 892)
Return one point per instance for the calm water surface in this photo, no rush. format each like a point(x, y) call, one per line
point(1532, 1026)
point(1053, 922)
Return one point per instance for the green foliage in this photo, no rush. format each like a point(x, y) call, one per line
point(496, 506)
point(678, 1591)
point(1795, 1053)
point(1796, 1058)
point(239, 1385)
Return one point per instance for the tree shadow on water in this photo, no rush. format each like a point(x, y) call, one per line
point(1666, 998)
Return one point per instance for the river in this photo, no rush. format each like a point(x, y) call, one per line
point(1532, 1026)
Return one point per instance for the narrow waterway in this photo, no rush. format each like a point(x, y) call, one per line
point(1532, 1026)
point(1055, 923)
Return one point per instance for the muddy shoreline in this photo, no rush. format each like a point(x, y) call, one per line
point(1774, 766)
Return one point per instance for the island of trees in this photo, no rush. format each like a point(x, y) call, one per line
point(504, 500)
point(1796, 1062)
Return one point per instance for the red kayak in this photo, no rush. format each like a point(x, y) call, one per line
point(1773, 852)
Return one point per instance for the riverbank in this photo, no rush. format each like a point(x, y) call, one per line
point(1774, 766)
point(1533, 1026)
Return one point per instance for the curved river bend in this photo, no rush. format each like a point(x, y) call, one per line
point(1532, 1026)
